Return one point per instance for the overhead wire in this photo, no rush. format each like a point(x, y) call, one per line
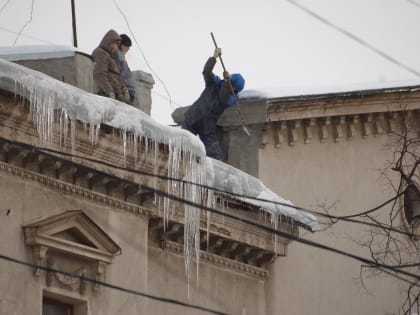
point(348, 218)
point(26, 24)
point(414, 3)
point(257, 225)
point(4, 6)
point(354, 37)
point(143, 55)
point(110, 286)
point(166, 98)
point(27, 36)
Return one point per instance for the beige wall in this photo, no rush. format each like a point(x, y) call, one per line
point(347, 173)
point(141, 266)
point(21, 291)
point(76, 70)
point(217, 289)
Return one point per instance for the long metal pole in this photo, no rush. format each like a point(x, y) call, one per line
point(244, 127)
point(73, 17)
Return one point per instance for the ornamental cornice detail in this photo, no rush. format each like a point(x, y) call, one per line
point(74, 190)
point(332, 106)
point(251, 271)
point(335, 128)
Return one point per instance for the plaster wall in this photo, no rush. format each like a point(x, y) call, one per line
point(142, 266)
point(216, 289)
point(76, 70)
point(27, 202)
point(345, 174)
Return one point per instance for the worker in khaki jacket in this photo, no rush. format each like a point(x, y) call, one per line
point(105, 72)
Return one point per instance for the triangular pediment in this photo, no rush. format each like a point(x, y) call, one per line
point(72, 232)
point(76, 236)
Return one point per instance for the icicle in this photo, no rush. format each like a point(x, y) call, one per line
point(124, 137)
point(60, 128)
point(155, 165)
point(65, 128)
point(136, 143)
point(275, 225)
point(73, 133)
point(166, 201)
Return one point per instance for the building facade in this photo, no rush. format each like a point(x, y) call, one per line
point(329, 152)
point(84, 226)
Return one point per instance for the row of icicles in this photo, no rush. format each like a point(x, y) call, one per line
point(181, 164)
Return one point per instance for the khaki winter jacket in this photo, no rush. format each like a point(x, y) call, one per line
point(105, 72)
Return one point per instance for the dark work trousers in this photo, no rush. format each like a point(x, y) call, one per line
point(208, 132)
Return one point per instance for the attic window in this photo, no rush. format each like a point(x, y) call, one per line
point(412, 206)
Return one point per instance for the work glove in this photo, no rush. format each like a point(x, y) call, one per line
point(217, 52)
point(111, 95)
point(226, 76)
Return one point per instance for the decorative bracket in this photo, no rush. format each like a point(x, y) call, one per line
point(279, 131)
point(323, 129)
point(339, 124)
point(39, 254)
point(308, 127)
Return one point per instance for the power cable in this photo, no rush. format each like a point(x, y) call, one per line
point(414, 3)
point(142, 53)
point(354, 37)
point(109, 285)
point(165, 98)
point(331, 217)
point(4, 6)
point(348, 218)
point(26, 24)
point(26, 35)
point(255, 224)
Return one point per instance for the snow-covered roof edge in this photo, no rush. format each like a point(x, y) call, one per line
point(90, 108)
point(310, 92)
point(253, 191)
point(36, 52)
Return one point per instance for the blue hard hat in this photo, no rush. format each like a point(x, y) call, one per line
point(238, 81)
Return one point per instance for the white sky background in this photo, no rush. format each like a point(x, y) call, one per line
point(271, 42)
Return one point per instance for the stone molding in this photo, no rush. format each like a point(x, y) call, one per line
point(76, 237)
point(251, 271)
point(74, 283)
point(336, 105)
point(334, 128)
point(221, 228)
point(73, 190)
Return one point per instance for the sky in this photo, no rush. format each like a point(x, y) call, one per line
point(272, 43)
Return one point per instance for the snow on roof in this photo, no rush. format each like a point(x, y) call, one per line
point(90, 108)
point(233, 180)
point(47, 94)
point(311, 91)
point(35, 52)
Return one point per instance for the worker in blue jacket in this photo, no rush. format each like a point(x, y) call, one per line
point(201, 118)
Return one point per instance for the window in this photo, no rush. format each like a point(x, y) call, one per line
point(58, 304)
point(54, 307)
